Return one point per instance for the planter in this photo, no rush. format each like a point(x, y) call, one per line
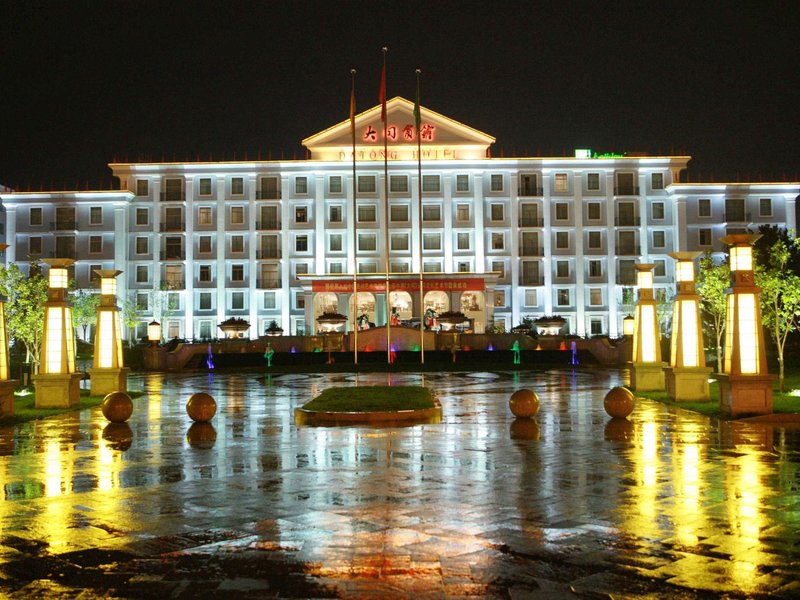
point(331, 322)
point(549, 325)
point(449, 321)
point(234, 328)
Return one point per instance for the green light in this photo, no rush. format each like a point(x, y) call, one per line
point(609, 155)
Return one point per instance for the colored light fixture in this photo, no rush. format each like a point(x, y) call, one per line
point(647, 370)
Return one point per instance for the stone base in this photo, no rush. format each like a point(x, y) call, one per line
point(105, 381)
point(57, 390)
point(153, 359)
point(646, 377)
point(745, 395)
point(7, 397)
point(689, 384)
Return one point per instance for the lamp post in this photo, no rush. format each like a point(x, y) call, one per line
point(152, 354)
point(154, 333)
point(57, 383)
point(7, 385)
point(687, 374)
point(745, 386)
point(108, 372)
point(647, 372)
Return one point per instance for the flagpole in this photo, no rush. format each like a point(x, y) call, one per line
point(353, 216)
point(417, 122)
point(384, 118)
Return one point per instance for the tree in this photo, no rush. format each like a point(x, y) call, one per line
point(131, 316)
point(84, 309)
point(780, 297)
point(26, 296)
point(713, 278)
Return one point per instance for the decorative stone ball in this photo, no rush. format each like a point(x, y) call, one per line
point(201, 407)
point(524, 429)
point(618, 402)
point(201, 435)
point(117, 407)
point(524, 403)
point(619, 430)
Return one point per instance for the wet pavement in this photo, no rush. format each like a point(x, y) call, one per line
point(572, 505)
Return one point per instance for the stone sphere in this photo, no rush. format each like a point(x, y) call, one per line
point(118, 435)
point(117, 407)
point(619, 430)
point(201, 407)
point(618, 402)
point(524, 403)
point(201, 435)
point(524, 429)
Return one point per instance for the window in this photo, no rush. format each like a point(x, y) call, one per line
point(204, 273)
point(464, 266)
point(562, 297)
point(498, 241)
point(205, 301)
point(660, 269)
point(142, 187)
point(431, 212)
point(237, 215)
point(497, 212)
point(765, 207)
point(335, 242)
point(142, 245)
point(658, 211)
point(336, 267)
point(530, 243)
point(398, 183)
point(142, 275)
point(593, 211)
point(529, 215)
point(496, 182)
point(301, 243)
point(562, 269)
point(269, 189)
point(237, 272)
point(462, 212)
point(299, 301)
point(142, 216)
point(367, 266)
point(367, 213)
point(399, 241)
point(734, 210)
point(625, 185)
point(398, 212)
point(204, 244)
point(142, 302)
point(499, 267)
point(431, 241)
point(531, 298)
point(562, 211)
point(237, 301)
point(595, 268)
point(35, 246)
point(237, 243)
point(462, 183)
point(205, 330)
point(173, 190)
point(704, 237)
point(562, 184)
point(431, 266)
point(204, 186)
point(96, 215)
point(335, 214)
point(626, 273)
point(35, 216)
point(173, 248)
point(237, 186)
point(205, 216)
point(462, 241)
point(301, 214)
point(398, 267)
point(300, 269)
point(528, 185)
point(593, 182)
point(704, 207)
point(595, 297)
point(659, 239)
point(596, 326)
point(499, 298)
point(335, 184)
point(657, 181)
point(269, 300)
point(367, 242)
point(431, 183)
point(95, 244)
point(562, 240)
point(366, 184)
point(300, 185)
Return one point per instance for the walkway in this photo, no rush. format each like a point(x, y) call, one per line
point(667, 505)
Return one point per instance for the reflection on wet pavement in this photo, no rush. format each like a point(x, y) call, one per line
point(664, 504)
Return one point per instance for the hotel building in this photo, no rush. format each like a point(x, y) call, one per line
point(499, 238)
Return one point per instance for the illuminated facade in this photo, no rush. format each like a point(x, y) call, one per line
point(203, 242)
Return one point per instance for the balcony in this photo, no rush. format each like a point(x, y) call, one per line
point(237, 283)
point(531, 251)
point(267, 254)
point(626, 250)
point(174, 284)
point(65, 253)
point(738, 217)
point(627, 221)
point(268, 283)
point(173, 255)
point(626, 279)
point(173, 196)
point(205, 283)
point(167, 226)
point(531, 222)
point(530, 191)
point(64, 225)
point(268, 225)
point(268, 194)
point(531, 280)
point(626, 190)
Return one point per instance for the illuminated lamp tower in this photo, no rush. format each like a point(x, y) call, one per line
point(57, 383)
point(108, 373)
point(7, 385)
point(745, 386)
point(647, 371)
point(687, 374)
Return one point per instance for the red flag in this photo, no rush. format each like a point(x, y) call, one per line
point(382, 93)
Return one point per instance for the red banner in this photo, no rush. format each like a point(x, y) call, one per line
point(404, 285)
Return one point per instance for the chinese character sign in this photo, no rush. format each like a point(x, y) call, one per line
point(395, 132)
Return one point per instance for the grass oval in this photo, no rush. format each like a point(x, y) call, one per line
point(377, 398)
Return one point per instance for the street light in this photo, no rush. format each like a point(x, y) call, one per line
point(154, 333)
point(108, 373)
point(648, 370)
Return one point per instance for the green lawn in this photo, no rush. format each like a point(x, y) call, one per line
point(25, 411)
point(372, 399)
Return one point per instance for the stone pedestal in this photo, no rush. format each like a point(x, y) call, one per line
point(7, 397)
point(105, 381)
point(744, 395)
point(689, 384)
point(153, 360)
point(646, 377)
point(62, 390)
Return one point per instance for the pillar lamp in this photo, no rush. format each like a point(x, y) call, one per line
point(745, 386)
point(647, 371)
point(687, 374)
point(7, 385)
point(57, 383)
point(628, 326)
point(108, 372)
point(154, 333)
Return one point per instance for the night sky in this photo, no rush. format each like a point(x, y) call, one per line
point(85, 83)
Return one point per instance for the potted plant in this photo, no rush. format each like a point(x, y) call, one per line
point(549, 324)
point(331, 321)
point(274, 329)
point(234, 327)
point(450, 319)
